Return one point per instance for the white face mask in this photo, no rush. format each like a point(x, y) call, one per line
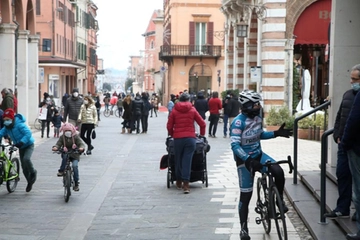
point(75, 94)
point(86, 101)
point(68, 134)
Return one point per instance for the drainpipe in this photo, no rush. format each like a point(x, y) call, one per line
point(16, 56)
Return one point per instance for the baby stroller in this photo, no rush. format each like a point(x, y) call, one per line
point(198, 165)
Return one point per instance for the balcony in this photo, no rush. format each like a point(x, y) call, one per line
point(168, 52)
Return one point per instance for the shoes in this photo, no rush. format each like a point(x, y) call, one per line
point(285, 208)
point(48, 136)
point(76, 187)
point(186, 187)
point(88, 152)
point(210, 135)
point(225, 136)
point(244, 235)
point(336, 214)
point(42, 136)
point(353, 218)
point(353, 236)
point(91, 147)
point(213, 136)
point(179, 184)
point(60, 174)
point(32, 181)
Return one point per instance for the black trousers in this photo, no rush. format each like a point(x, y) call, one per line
point(86, 129)
point(144, 122)
point(43, 122)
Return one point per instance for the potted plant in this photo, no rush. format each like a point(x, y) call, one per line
point(304, 126)
point(277, 116)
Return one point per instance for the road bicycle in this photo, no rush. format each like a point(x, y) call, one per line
point(269, 202)
point(37, 124)
point(68, 176)
point(108, 112)
point(9, 167)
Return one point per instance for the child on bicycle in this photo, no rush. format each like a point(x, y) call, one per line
point(246, 131)
point(70, 140)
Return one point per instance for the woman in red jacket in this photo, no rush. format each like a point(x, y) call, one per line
point(180, 126)
point(215, 106)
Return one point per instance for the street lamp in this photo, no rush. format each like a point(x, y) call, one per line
point(242, 30)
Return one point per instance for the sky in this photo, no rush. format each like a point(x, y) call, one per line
point(121, 23)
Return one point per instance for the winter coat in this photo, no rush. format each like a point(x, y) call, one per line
point(50, 110)
point(351, 136)
point(69, 144)
point(18, 131)
point(88, 114)
point(127, 115)
point(72, 108)
point(7, 102)
point(181, 121)
point(119, 103)
point(343, 113)
point(234, 107)
point(214, 105)
point(56, 120)
point(201, 105)
point(137, 106)
point(147, 106)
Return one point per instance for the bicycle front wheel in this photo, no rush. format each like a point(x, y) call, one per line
point(279, 215)
point(67, 185)
point(107, 113)
point(13, 175)
point(262, 203)
point(37, 124)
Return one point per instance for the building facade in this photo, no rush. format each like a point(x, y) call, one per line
point(192, 53)
point(19, 54)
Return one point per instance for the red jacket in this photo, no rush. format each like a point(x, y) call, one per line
point(215, 105)
point(181, 121)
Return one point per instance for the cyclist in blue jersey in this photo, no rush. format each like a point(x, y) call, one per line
point(246, 131)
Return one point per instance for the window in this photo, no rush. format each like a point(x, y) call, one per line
point(38, 9)
point(46, 45)
point(152, 45)
point(200, 34)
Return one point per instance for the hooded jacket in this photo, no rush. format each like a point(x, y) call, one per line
point(7, 102)
point(181, 121)
point(18, 132)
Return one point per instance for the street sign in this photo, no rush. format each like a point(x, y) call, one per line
point(255, 73)
point(41, 75)
point(162, 69)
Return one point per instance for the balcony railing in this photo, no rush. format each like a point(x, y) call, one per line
point(190, 51)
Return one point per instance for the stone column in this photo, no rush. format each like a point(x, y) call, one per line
point(7, 56)
point(22, 72)
point(33, 76)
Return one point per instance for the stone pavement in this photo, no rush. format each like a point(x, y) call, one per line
point(123, 194)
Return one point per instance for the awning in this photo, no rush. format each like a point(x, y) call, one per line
point(313, 24)
point(69, 65)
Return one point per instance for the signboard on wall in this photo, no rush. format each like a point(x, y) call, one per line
point(255, 74)
point(41, 75)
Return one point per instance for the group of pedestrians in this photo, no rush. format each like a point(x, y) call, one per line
point(136, 113)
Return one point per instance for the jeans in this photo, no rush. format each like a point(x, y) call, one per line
point(75, 166)
point(343, 175)
point(184, 150)
point(354, 164)
point(144, 122)
point(26, 164)
point(225, 119)
point(214, 119)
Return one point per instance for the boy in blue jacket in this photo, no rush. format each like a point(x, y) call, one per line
point(21, 137)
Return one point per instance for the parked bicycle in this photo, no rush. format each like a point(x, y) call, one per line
point(109, 112)
point(37, 124)
point(269, 202)
point(9, 167)
point(68, 176)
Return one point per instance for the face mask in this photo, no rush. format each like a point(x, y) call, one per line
point(355, 86)
point(7, 122)
point(86, 101)
point(48, 99)
point(75, 94)
point(68, 134)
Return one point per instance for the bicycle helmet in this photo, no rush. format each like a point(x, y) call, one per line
point(248, 100)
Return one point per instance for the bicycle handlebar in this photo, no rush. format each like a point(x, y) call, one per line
point(12, 148)
point(288, 161)
point(61, 150)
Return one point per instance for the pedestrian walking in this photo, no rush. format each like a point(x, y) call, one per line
point(72, 108)
point(119, 105)
point(56, 121)
point(214, 108)
point(47, 105)
point(7, 99)
point(226, 111)
point(88, 118)
point(201, 106)
point(155, 104)
point(145, 112)
point(137, 110)
point(127, 115)
point(180, 126)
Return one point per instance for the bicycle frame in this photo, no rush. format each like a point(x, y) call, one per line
point(7, 164)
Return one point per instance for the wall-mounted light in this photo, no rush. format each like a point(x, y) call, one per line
point(242, 30)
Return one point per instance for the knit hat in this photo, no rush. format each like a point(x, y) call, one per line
point(68, 127)
point(75, 90)
point(9, 113)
